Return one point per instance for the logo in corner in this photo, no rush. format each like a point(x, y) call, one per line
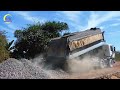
point(7, 18)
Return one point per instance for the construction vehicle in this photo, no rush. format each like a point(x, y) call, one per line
point(79, 44)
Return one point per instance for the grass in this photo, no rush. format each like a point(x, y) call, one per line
point(117, 56)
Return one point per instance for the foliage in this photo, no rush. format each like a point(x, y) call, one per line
point(117, 56)
point(33, 40)
point(4, 53)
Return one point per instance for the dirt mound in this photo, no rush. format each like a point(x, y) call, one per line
point(23, 69)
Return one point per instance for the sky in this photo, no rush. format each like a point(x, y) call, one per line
point(108, 21)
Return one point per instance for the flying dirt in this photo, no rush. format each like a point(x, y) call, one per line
point(84, 65)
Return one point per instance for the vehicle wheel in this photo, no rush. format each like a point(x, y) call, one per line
point(102, 64)
point(110, 63)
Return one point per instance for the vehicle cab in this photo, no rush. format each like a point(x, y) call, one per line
point(109, 50)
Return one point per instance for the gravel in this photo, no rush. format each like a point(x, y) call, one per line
point(25, 69)
point(115, 75)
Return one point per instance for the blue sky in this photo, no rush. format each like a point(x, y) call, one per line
point(108, 21)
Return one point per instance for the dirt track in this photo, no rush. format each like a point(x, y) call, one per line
point(107, 73)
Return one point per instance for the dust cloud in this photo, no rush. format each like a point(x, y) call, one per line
point(76, 65)
point(86, 64)
point(35, 68)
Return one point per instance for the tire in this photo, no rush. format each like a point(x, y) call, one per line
point(110, 63)
point(102, 64)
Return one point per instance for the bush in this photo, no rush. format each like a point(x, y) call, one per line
point(117, 56)
point(4, 53)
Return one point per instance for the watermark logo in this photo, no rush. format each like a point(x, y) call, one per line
point(7, 18)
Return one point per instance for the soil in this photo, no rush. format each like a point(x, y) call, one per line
point(106, 73)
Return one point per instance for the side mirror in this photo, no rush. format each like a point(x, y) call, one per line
point(114, 49)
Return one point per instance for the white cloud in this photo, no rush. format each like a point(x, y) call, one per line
point(73, 18)
point(118, 19)
point(6, 29)
point(101, 27)
point(92, 20)
point(96, 19)
point(12, 26)
point(115, 24)
point(3, 28)
point(9, 27)
point(27, 16)
point(72, 15)
point(114, 34)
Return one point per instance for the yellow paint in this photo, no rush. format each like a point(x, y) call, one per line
point(77, 44)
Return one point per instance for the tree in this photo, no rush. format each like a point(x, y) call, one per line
point(54, 28)
point(33, 40)
point(4, 53)
point(117, 56)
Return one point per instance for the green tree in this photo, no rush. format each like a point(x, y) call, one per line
point(117, 56)
point(54, 28)
point(4, 53)
point(33, 40)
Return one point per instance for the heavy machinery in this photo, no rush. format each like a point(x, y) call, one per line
point(79, 44)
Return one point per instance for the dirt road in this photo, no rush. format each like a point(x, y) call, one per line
point(107, 73)
point(24, 69)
